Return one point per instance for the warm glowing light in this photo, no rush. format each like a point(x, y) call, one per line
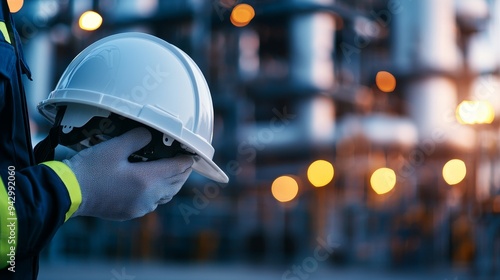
point(454, 171)
point(385, 81)
point(242, 14)
point(320, 173)
point(15, 5)
point(475, 112)
point(285, 188)
point(90, 21)
point(465, 112)
point(383, 180)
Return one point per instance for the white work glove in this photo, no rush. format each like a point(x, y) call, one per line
point(115, 189)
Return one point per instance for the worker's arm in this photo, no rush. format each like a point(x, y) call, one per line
point(34, 203)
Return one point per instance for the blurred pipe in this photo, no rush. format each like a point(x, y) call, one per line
point(39, 51)
point(312, 43)
point(317, 120)
point(432, 103)
point(479, 21)
point(200, 34)
point(472, 15)
point(425, 50)
point(80, 6)
point(425, 36)
point(312, 37)
point(248, 60)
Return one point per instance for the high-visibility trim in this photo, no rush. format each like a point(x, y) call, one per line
point(8, 226)
point(71, 183)
point(4, 31)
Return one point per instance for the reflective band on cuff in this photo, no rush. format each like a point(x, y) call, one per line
point(8, 227)
point(71, 183)
point(4, 31)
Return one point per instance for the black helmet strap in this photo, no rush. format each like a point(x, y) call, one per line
point(156, 149)
point(45, 150)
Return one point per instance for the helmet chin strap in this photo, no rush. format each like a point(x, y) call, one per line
point(45, 150)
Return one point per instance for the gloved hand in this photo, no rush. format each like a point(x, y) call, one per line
point(115, 189)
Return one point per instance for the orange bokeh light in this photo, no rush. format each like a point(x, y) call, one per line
point(15, 5)
point(242, 14)
point(284, 188)
point(385, 81)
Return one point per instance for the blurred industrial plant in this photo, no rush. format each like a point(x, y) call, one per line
point(368, 129)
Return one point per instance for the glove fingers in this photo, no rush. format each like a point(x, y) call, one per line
point(155, 192)
point(165, 168)
point(174, 171)
point(129, 142)
point(173, 186)
point(114, 188)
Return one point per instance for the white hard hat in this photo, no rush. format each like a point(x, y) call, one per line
point(142, 79)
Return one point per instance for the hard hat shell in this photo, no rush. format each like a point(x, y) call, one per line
point(143, 78)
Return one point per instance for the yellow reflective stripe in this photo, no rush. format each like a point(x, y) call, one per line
point(8, 226)
point(71, 183)
point(5, 32)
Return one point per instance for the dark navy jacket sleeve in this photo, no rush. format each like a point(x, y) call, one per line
point(35, 200)
point(40, 203)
